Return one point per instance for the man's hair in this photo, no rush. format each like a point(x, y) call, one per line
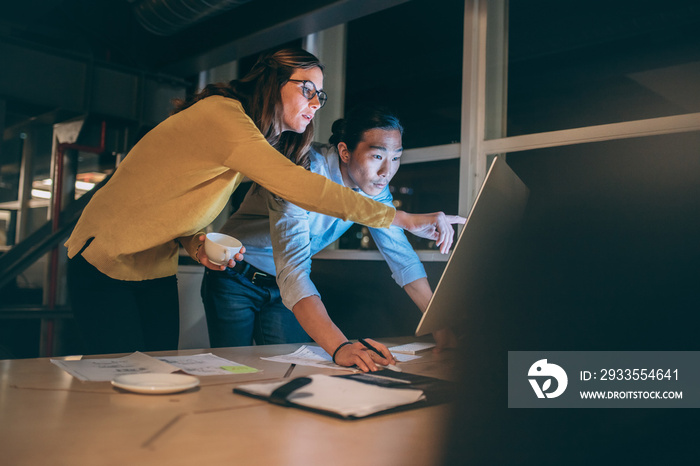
point(259, 92)
point(351, 129)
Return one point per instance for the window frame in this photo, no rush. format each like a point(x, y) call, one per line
point(482, 50)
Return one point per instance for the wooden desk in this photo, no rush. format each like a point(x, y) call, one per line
point(49, 417)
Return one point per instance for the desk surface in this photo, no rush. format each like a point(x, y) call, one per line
point(49, 417)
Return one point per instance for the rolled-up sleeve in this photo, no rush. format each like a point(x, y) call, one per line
point(397, 251)
point(291, 247)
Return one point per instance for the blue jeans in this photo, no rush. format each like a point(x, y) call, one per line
point(239, 312)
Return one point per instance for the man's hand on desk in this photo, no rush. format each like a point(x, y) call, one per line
point(358, 355)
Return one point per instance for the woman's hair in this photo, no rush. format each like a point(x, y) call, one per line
point(351, 129)
point(259, 92)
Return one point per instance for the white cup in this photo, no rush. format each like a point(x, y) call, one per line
point(221, 248)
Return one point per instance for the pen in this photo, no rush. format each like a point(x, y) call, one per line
point(289, 371)
point(372, 348)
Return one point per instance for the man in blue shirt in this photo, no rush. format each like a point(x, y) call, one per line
point(247, 302)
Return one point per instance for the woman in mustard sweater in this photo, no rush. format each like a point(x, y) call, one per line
point(123, 252)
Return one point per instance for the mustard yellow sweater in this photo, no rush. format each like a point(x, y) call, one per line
point(178, 178)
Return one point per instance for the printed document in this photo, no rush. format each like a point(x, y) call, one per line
point(316, 356)
point(104, 370)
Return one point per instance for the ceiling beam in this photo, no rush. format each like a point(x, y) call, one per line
point(296, 27)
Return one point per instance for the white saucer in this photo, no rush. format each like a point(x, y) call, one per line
point(155, 383)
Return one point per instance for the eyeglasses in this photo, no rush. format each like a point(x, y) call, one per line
point(311, 92)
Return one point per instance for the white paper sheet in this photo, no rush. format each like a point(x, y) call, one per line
point(104, 370)
point(207, 364)
point(308, 356)
point(411, 348)
point(316, 356)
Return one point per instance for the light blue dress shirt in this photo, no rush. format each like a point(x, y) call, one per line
point(280, 237)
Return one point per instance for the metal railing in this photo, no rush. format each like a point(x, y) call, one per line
point(47, 239)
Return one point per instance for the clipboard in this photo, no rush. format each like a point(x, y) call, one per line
point(355, 396)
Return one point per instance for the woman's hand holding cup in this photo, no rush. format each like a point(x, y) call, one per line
point(219, 251)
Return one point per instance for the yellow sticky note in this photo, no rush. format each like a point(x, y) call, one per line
point(239, 369)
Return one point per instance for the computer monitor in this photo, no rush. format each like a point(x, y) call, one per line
point(495, 215)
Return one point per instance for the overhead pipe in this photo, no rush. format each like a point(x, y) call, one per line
point(167, 17)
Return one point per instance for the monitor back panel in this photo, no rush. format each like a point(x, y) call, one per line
point(467, 278)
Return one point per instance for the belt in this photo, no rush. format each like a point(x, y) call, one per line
point(255, 275)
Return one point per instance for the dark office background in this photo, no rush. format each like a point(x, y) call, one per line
point(607, 257)
point(606, 260)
